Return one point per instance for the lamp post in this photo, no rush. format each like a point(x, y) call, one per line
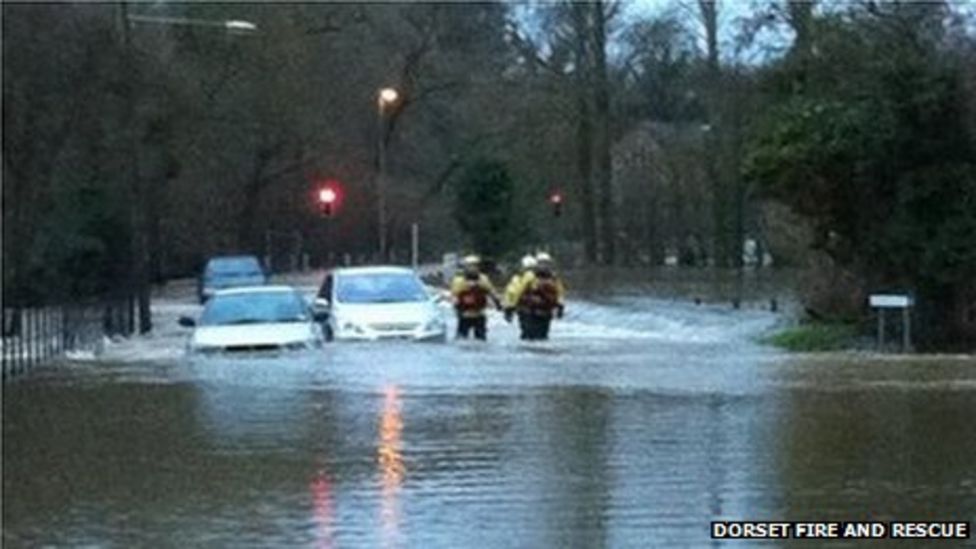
point(139, 206)
point(385, 98)
point(235, 25)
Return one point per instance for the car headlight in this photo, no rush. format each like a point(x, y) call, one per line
point(351, 327)
point(435, 325)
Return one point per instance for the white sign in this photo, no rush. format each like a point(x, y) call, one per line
point(890, 301)
point(449, 265)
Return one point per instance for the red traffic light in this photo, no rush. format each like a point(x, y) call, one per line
point(329, 197)
point(556, 199)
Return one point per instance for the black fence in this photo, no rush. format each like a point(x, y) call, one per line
point(34, 335)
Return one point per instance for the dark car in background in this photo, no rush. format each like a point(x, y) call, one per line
point(230, 271)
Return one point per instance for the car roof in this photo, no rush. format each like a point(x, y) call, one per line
point(379, 269)
point(231, 259)
point(256, 290)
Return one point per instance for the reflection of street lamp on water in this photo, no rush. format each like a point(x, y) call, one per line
point(386, 97)
point(390, 458)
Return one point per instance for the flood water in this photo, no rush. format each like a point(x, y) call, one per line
point(638, 424)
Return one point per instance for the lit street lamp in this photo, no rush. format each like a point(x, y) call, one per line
point(237, 25)
point(230, 24)
point(385, 98)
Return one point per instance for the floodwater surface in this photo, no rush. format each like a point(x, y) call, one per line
point(641, 421)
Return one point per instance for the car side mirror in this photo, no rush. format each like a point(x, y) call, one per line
point(187, 322)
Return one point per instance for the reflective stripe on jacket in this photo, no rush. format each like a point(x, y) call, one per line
point(513, 291)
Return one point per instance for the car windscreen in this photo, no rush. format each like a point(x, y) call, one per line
point(237, 266)
point(254, 308)
point(380, 288)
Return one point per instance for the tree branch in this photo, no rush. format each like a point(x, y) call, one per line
point(530, 51)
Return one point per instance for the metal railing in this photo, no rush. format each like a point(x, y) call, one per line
point(34, 335)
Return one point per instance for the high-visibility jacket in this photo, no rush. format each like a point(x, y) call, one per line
point(471, 294)
point(513, 290)
point(538, 292)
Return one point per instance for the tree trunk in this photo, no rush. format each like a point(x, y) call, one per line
point(800, 18)
point(721, 231)
point(601, 100)
point(246, 234)
point(139, 272)
point(247, 237)
point(738, 187)
point(584, 135)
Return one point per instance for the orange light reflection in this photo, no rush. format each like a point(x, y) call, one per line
point(392, 470)
point(324, 511)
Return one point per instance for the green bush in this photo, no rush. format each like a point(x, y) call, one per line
point(814, 337)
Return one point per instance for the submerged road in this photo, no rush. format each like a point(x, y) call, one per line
point(638, 424)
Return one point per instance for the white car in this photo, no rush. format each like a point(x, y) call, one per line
point(372, 303)
point(256, 319)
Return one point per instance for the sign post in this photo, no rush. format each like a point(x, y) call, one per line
point(448, 266)
point(414, 245)
point(881, 302)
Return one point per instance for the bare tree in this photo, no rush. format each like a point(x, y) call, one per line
point(602, 144)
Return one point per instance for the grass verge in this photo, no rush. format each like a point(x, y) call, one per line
point(813, 337)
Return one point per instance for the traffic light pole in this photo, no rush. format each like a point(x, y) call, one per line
point(556, 200)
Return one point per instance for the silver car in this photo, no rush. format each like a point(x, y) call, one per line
point(258, 319)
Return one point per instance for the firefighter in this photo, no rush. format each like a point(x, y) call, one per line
point(542, 294)
point(472, 290)
point(513, 304)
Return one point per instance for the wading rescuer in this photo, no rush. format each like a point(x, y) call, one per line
point(514, 305)
point(541, 294)
point(472, 290)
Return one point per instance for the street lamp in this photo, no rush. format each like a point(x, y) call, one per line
point(386, 97)
point(229, 24)
point(238, 25)
point(139, 206)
